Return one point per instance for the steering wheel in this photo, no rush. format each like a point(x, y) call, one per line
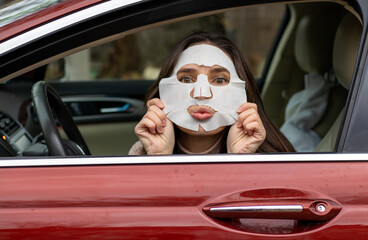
point(46, 100)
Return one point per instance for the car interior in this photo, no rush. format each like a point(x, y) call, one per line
point(304, 75)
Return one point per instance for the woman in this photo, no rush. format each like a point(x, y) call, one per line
point(202, 109)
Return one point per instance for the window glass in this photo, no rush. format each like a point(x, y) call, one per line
point(140, 55)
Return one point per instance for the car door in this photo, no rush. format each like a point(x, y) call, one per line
point(288, 196)
point(225, 196)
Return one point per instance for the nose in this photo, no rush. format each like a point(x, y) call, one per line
point(202, 89)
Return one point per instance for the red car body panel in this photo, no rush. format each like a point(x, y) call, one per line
point(167, 201)
point(43, 16)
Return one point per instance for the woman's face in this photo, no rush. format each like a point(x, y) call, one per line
point(204, 91)
point(216, 76)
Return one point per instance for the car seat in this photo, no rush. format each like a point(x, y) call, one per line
point(313, 48)
point(345, 51)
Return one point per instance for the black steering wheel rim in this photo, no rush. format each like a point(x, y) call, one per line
point(46, 99)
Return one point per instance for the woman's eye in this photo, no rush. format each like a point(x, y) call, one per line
point(186, 80)
point(220, 81)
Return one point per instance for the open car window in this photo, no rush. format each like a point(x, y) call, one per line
point(139, 57)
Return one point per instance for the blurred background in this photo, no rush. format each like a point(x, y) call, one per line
point(140, 55)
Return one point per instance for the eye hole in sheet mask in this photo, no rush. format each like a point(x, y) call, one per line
point(204, 89)
point(217, 75)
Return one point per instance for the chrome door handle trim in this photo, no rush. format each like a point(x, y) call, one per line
point(296, 209)
point(269, 208)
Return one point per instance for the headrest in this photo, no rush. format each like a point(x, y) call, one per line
point(314, 39)
point(346, 48)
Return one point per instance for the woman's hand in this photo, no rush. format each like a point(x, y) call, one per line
point(248, 133)
point(155, 131)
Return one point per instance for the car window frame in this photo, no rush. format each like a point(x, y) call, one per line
point(342, 143)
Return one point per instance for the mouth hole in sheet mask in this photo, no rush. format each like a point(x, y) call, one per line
point(201, 112)
point(216, 75)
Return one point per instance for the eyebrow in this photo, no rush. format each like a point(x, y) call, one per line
point(219, 69)
point(215, 70)
point(187, 70)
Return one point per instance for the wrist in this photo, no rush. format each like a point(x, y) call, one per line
point(244, 149)
point(168, 151)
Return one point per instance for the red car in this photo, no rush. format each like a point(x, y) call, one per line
point(96, 60)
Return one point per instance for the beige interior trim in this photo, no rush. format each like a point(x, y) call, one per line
point(280, 50)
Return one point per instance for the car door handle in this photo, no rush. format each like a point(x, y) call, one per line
point(115, 109)
point(301, 209)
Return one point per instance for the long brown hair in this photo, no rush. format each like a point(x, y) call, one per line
point(275, 141)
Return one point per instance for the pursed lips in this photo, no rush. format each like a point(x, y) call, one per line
point(201, 112)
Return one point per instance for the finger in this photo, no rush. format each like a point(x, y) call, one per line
point(250, 121)
point(146, 123)
point(253, 128)
point(156, 102)
point(245, 106)
point(251, 118)
point(151, 115)
point(249, 114)
point(160, 114)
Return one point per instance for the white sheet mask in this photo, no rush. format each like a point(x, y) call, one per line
point(225, 100)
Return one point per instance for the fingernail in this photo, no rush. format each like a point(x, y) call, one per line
point(164, 122)
point(239, 109)
point(160, 130)
point(239, 124)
